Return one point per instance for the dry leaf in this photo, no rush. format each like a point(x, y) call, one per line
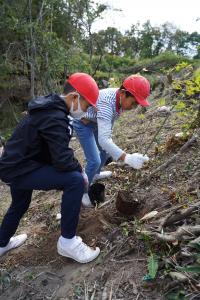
point(178, 276)
point(150, 215)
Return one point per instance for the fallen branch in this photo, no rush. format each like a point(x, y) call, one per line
point(169, 219)
point(182, 215)
point(182, 233)
point(168, 210)
point(165, 220)
point(170, 286)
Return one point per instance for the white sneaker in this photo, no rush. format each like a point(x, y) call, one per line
point(14, 242)
point(86, 201)
point(78, 251)
point(102, 175)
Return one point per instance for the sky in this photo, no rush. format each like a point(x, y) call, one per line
point(184, 14)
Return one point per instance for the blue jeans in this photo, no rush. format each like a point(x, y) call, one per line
point(45, 178)
point(94, 154)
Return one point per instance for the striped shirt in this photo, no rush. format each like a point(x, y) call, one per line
point(106, 105)
point(105, 117)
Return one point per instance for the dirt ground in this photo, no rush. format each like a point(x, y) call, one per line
point(36, 271)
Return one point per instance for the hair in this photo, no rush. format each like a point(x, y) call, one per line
point(127, 93)
point(68, 88)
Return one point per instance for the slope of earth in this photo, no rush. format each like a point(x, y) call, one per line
point(36, 271)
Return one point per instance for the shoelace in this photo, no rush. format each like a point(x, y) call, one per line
point(82, 247)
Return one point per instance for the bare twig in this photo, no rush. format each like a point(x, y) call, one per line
point(111, 249)
point(158, 131)
point(105, 293)
point(106, 202)
point(126, 252)
point(86, 291)
point(127, 260)
point(138, 296)
point(111, 291)
point(94, 292)
point(173, 158)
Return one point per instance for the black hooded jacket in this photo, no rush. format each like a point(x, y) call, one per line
point(41, 138)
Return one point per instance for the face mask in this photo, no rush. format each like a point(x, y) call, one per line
point(78, 113)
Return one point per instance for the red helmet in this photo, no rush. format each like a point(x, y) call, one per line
point(86, 86)
point(139, 87)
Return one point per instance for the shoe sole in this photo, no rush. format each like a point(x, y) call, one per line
point(82, 262)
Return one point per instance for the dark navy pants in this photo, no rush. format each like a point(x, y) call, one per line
point(45, 178)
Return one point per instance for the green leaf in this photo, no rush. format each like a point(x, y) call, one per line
point(192, 269)
point(195, 245)
point(180, 295)
point(152, 265)
point(141, 116)
point(161, 102)
point(197, 256)
point(180, 105)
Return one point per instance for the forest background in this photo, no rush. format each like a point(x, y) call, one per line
point(41, 42)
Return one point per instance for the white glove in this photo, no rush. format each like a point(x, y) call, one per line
point(136, 160)
point(85, 177)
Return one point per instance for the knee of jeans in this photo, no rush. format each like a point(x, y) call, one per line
point(78, 180)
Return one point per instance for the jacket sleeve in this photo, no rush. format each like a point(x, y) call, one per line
point(105, 138)
point(57, 132)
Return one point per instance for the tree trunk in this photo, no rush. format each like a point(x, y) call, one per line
point(32, 53)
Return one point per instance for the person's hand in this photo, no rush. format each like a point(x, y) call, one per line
point(136, 160)
point(85, 177)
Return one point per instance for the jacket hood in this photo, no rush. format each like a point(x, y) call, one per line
point(47, 102)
